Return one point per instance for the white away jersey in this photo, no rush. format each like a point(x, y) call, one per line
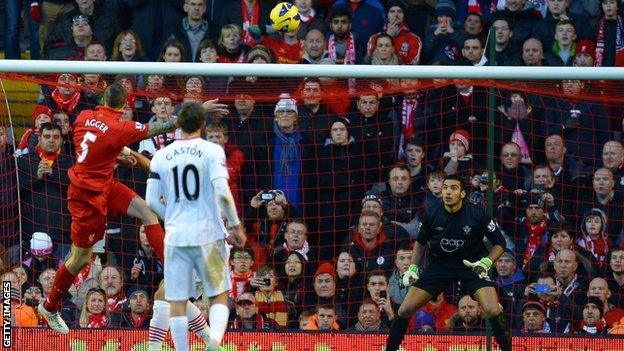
point(186, 169)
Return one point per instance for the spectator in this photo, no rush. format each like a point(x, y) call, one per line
point(103, 23)
point(11, 29)
point(506, 53)
point(393, 230)
point(434, 188)
point(369, 318)
point(567, 170)
point(314, 115)
point(457, 160)
point(315, 48)
point(162, 109)
point(9, 230)
point(398, 200)
point(111, 281)
point(514, 174)
point(127, 47)
point(43, 185)
point(511, 282)
point(95, 312)
point(608, 200)
point(594, 235)
point(559, 308)
point(50, 13)
point(593, 321)
point(469, 316)
point(326, 317)
point(615, 277)
point(325, 293)
point(40, 257)
point(613, 160)
point(61, 119)
point(68, 310)
point(369, 245)
point(608, 47)
point(350, 282)
point(72, 48)
point(22, 277)
point(340, 177)
point(416, 161)
point(242, 261)
point(599, 288)
point(566, 276)
point(383, 53)
point(373, 130)
point(310, 18)
point(439, 44)
point(41, 114)
point(377, 286)
point(173, 51)
point(558, 10)
point(267, 220)
point(366, 17)
point(563, 49)
point(286, 49)
point(67, 97)
point(194, 28)
point(271, 301)
point(585, 53)
point(407, 45)
point(473, 26)
point(139, 309)
point(342, 45)
point(217, 133)
point(250, 15)
point(396, 291)
point(472, 51)
point(534, 317)
point(533, 53)
point(247, 316)
point(295, 240)
point(521, 17)
point(307, 320)
point(231, 47)
point(293, 277)
point(144, 267)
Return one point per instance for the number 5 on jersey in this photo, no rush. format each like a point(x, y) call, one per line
point(88, 137)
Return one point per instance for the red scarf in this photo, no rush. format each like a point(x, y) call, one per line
point(49, 157)
point(248, 22)
point(23, 144)
point(408, 112)
point(65, 104)
point(115, 303)
point(597, 329)
point(600, 39)
point(138, 320)
point(598, 247)
point(82, 276)
point(381, 237)
point(536, 233)
point(239, 283)
point(99, 320)
point(349, 58)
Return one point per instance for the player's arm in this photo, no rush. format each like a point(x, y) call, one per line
point(224, 197)
point(158, 128)
point(141, 161)
point(410, 277)
point(493, 233)
point(153, 195)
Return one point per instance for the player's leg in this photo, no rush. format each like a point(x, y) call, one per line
point(215, 276)
point(179, 284)
point(414, 300)
point(492, 310)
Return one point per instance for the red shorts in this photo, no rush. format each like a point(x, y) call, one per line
point(89, 210)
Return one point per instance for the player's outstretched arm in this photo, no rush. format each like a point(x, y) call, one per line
point(152, 195)
point(158, 128)
point(141, 161)
point(225, 199)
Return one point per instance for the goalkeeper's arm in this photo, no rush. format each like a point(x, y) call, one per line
point(225, 200)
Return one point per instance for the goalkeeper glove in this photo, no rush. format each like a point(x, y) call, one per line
point(481, 267)
point(410, 277)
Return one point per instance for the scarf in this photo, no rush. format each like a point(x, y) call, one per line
point(600, 39)
point(349, 58)
point(596, 329)
point(373, 327)
point(381, 237)
point(569, 287)
point(273, 306)
point(138, 321)
point(116, 303)
point(239, 283)
point(22, 147)
point(65, 104)
point(309, 18)
point(290, 150)
point(248, 22)
point(99, 320)
point(82, 276)
point(598, 247)
point(303, 251)
point(408, 112)
point(49, 157)
point(556, 49)
point(518, 138)
point(536, 233)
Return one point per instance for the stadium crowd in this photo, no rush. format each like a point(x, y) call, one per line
point(331, 187)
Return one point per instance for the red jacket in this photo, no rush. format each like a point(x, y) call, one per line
point(407, 46)
point(235, 160)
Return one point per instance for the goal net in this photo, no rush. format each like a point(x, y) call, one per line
point(331, 177)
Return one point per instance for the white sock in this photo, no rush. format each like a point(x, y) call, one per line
point(159, 325)
point(197, 322)
point(179, 332)
point(218, 315)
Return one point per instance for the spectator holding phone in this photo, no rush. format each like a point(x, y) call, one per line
point(559, 308)
point(439, 44)
point(377, 286)
point(269, 300)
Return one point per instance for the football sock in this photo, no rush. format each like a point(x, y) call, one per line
point(62, 281)
point(398, 328)
point(501, 332)
point(218, 316)
point(179, 332)
point(159, 325)
point(197, 322)
point(156, 238)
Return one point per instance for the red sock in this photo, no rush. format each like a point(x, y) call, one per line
point(156, 238)
point(62, 281)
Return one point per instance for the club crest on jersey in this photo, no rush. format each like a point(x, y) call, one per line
point(467, 230)
point(491, 226)
point(139, 126)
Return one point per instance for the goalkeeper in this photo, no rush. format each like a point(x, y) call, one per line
point(454, 232)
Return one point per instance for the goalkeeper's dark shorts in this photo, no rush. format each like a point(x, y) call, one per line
point(436, 279)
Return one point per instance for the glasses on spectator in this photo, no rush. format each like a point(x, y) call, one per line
point(241, 257)
point(509, 154)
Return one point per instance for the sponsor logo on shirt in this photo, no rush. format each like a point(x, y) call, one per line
point(451, 245)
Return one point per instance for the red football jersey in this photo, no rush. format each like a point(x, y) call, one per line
point(99, 137)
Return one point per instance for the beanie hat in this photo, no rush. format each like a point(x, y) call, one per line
point(596, 301)
point(446, 7)
point(462, 136)
point(41, 110)
point(343, 120)
point(372, 197)
point(40, 244)
point(135, 289)
point(259, 51)
point(286, 102)
point(586, 47)
point(534, 304)
point(325, 268)
point(394, 3)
